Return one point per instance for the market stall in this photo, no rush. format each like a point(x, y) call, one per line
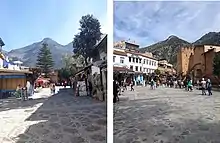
point(10, 79)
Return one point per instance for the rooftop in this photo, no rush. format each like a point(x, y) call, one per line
point(14, 71)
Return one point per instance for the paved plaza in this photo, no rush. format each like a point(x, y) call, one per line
point(167, 115)
point(61, 118)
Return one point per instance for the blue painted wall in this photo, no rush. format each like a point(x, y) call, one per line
point(11, 76)
point(7, 90)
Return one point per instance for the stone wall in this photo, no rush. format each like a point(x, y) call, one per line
point(97, 87)
point(209, 57)
point(199, 60)
point(183, 57)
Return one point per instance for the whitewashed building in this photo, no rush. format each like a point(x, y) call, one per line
point(127, 58)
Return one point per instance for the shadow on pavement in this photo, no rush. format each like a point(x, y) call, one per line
point(64, 118)
point(158, 122)
point(13, 103)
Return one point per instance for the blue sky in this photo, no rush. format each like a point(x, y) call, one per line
point(149, 22)
point(24, 22)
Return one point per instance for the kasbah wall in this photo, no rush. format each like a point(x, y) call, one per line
point(183, 57)
point(197, 60)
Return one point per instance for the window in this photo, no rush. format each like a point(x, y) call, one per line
point(147, 70)
point(144, 61)
point(140, 68)
point(129, 59)
point(133, 60)
point(136, 60)
point(131, 67)
point(147, 62)
point(114, 58)
point(154, 63)
point(140, 60)
point(136, 68)
point(122, 60)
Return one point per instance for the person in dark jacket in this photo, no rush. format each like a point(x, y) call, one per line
point(115, 91)
point(132, 85)
point(209, 87)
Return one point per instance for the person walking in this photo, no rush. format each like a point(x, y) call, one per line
point(209, 87)
point(158, 83)
point(190, 85)
point(28, 90)
point(132, 86)
point(152, 84)
point(115, 91)
point(53, 88)
point(203, 84)
point(185, 84)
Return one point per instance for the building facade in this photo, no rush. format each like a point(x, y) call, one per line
point(165, 67)
point(12, 74)
point(197, 60)
point(96, 71)
point(126, 55)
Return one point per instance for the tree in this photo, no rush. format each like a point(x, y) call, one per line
point(157, 72)
point(70, 65)
point(44, 60)
point(216, 64)
point(88, 36)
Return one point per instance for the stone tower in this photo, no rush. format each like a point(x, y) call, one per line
point(183, 59)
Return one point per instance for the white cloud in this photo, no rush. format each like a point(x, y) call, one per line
point(149, 22)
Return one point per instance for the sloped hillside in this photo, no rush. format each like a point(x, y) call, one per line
point(211, 38)
point(28, 54)
point(166, 49)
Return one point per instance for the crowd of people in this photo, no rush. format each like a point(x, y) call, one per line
point(204, 85)
point(26, 91)
point(29, 90)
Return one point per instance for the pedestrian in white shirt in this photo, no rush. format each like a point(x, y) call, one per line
point(203, 83)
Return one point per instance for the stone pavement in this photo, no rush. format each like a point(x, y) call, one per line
point(167, 115)
point(61, 118)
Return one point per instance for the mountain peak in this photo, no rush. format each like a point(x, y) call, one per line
point(47, 39)
point(172, 37)
point(211, 38)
